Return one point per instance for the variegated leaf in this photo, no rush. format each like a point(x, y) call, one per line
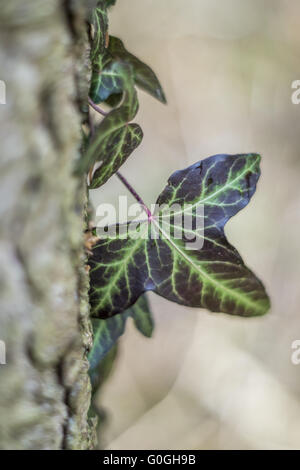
point(116, 148)
point(107, 82)
point(144, 76)
point(212, 276)
point(99, 33)
point(114, 139)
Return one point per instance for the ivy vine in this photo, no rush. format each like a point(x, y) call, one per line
point(123, 269)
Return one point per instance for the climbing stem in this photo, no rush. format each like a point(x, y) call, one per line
point(97, 108)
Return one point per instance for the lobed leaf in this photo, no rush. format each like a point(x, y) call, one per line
point(144, 76)
point(107, 82)
point(212, 277)
point(107, 332)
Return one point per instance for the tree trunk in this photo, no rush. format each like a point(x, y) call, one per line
point(44, 322)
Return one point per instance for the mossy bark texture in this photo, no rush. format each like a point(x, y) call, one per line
point(44, 312)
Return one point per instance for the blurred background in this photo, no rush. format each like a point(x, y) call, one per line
point(210, 380)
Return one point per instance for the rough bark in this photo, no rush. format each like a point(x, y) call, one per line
point(44, 387)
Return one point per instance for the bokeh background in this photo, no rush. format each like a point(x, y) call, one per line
point(209, 380)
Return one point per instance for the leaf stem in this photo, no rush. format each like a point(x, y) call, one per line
point(135, 195)
point(97, 108)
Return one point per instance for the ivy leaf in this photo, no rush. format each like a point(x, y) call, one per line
point(107, 82)
point(212, 276)
point(144, 76)
point(99, 33)
point(107, 332)
point(114, 139)
point(116, 148)
point(100, 373)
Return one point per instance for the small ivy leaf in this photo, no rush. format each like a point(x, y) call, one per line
point(99, 32)
point(107, 332)
point(107, 82)
point(101, 371)
point(118, 146)
point(142, 316)
point(110, 3)
point(105, 134)
point(212, 276)
point(144, 76)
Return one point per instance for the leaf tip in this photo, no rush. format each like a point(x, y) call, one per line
point(162, 97)
point(265, 305)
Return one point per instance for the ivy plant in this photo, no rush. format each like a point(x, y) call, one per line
point(199, 268)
